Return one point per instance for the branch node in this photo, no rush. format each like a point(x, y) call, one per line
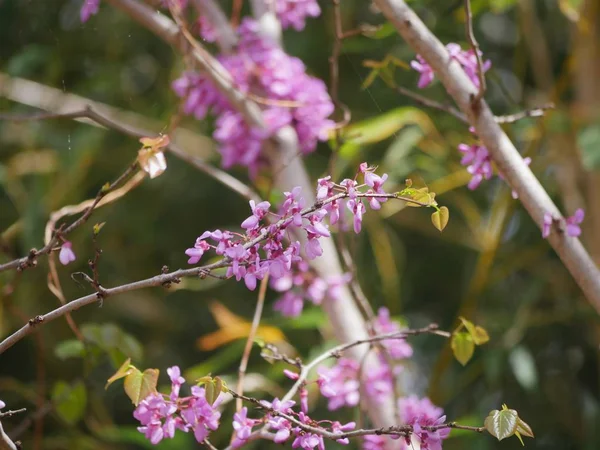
point(36, 320)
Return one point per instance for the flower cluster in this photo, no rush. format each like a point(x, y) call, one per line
point(161, 415)
point(421, 414)
point(570, 225)
point(301, 284)
point(293, 13)
point(478, 160)
point(260, 68)
point(285, 429)
point(340, 384)
point(466, 58)
point(263, 249)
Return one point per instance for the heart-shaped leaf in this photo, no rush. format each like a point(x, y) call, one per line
point(463, 347)
point(125, 369)
point(138, 385)
point(440, 218)
point(502, 424)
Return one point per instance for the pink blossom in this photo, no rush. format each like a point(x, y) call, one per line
point(305, 439)
point(466, 59)
point(357, 209)
point(339, 383)
point(258, 212)
point(420, 413)
point(478, 162)
point(176, 381)
point(374, 442)
point(337, 427)
point(88, 9)
point(196, 252)
point(572, 223)
point(242, 426)
point(293, 13)
point(290, 305)
point(547, 224)
point(397, 348)
point(66, 254)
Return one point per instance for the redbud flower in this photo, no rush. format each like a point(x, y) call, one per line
point(88, 9)
point(2, 404)
point(357, 209)
point(196, 252)
point(290, 305)
point(419, 413)
point(547, 224)
point(397, 348)
point(337, 427)
point(572, 223)
point(66, 254)
point(242, 426)
point(293, 13)
point(478, 162)
point(339, 383)
point(258, 212)
point(374, 442)
point(427, 74)
point(305, 439)
point(176, 381)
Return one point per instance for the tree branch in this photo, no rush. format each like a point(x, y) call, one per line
point(531, 193)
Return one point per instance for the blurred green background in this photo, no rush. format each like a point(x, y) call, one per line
point(489, 265)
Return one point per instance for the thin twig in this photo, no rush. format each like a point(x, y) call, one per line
point(475, 47)
point(262, 292)
point(11, 413)
point(395, 430)
point(430, 103)
point(534, 112)
point(31, 259)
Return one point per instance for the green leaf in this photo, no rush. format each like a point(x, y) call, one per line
point(523, 367)
point(211, 392)
point(462, 346)
point(380, 32)
point(72, 348)
point(385, 125)
point(588, 141)
point(125, 369)
point(501, 424)
point(440, 218)
point(479, 334)
point(138, 385)
point(70, 401)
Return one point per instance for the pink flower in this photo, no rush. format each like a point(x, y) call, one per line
point(66, 254)
point(242, 425)
point(420, 413)
point(547, 224)
point(305, 439)
point(196, 252)
point(258, 212)
point(478, 162)
point(293, 13)
point(290, 305)
point(397, 348)
point(572, 223)
point(427, 74)
point(88, 9)
point(279, 424)
point(357, 209)
point(176, 381)
point(374, 442)
point(337, 427)
point(339, 384)
point(151, 412)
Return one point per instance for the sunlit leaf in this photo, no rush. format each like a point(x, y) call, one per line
point(462, 346)
point(501, 424)
point(125, 369)
point(479, 334)
point(440, 218)
point(523, 367)
point(524, 429)
point(138, 385)
point(380, 32)
point(385, 125)
point(69, 401)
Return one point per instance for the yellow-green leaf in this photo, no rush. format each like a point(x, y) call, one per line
point(462, 346)
point(440, 218)
point(122, 372)
point(524, 428)
point(479, 334)
point(138, 385)
point(501, 424)
point(211, 393)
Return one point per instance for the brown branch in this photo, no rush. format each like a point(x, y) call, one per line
point(475, 46)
